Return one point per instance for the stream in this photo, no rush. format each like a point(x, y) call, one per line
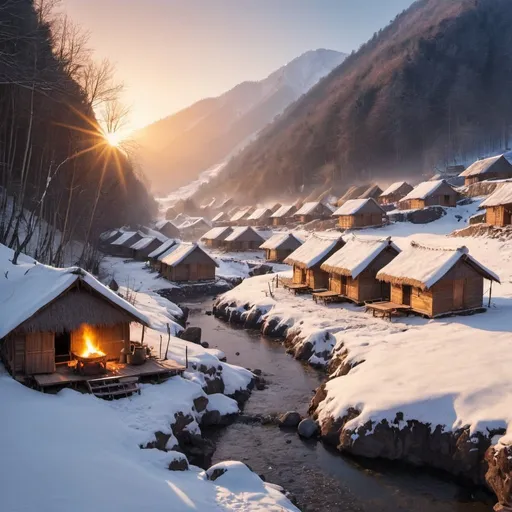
point(318, 477)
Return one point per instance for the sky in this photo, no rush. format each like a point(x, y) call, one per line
point(171, 53)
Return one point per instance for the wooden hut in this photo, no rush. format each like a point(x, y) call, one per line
point(498, 206)
point(279, 246)
point(429, 193)
point(274, 207)
point(122, 246)
point(496, 167)
point(216, 236)
point(155, 257)
point(283, 215)
point(145, 246)
point(243, 239)
point(193, 229)
point(360, 213)
point(220, 219)
point(308, 258)
point(312, 211)
point(51, 318)
point(372, 192)
point(435, 281)
point(168, 229)
point(240, 217)
point(188, 262)
point(395, 192)
point(354, 192)
point(259, 217)
point(353, 269)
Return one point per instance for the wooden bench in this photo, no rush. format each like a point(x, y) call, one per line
point(298, 288)
point(111, 387)
point(327, 296)
point(387, 309)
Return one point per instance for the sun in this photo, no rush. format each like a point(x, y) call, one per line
point(113, 139)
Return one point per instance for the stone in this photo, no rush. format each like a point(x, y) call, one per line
point(192, 334)
point(179, 464)
point(288, 441)
point(237, 353)
point(257, 371)
point(216, 473)
point(261, 270)
point(290, 419)
point(307, 428)
point(205, 344)
point(200, 403)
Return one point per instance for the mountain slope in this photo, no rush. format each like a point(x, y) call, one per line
point(431, 88)
point(176, 149)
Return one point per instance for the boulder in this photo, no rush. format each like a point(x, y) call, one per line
point(179, 464)
point(261, 270)
point(192, 334)
point(307, 428)
point(205, 344)
point(200, 403)
point(290, 419)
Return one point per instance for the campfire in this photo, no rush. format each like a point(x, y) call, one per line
point(92, 360)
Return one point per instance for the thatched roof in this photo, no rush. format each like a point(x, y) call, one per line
point(498, 164)
point(259, 214)
point(282, 241)
point(358, 207)
point(286, 210)
point(314, 207)
point(219, 233)
point(243, 213)
point(29, 287)
point(357, 255)
point(245, 234)
point(314, 250)
point(184, 252)
point(373, 191)
point(163, 248)
point(423, 267)
point(429, 188)
point(501, 196)
point(400, 187)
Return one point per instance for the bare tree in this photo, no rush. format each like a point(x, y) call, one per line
point(97, 80)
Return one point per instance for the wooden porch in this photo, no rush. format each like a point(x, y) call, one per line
point(152, 369)
point(387, 309)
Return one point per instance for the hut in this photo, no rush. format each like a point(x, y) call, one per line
point(434, 281)
point(429, 193)
point(353, 269)
point(216, 236)
point(188, 262)
point(168, 229)
point(373, 192)
point(283, 215)
point(354, 192)
point(155, 257)
point(220, 219)
point(395, 192)
point(240, 217)
point(496, 167)
point(308, 258)
point(243, 239)
point(498, 206)
point(170, 213)
point(145, 246)
point(312, 211)
point(360, 213)
point(274, 207)
point(122, 246)
point(53, 318)
point(194, 228)
point(259, 217)
point(279, 246)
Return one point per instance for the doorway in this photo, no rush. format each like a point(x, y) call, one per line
point(458, 294)
point(406, 295)
point(343, 288)
point(62, 347)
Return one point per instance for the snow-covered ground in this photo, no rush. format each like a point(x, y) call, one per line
point(453, 372)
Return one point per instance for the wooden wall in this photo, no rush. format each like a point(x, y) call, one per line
point(499, 215)
point(360, 221)
point(278, 255)
point(237, 246)
point(189, 272)
point(442, 200)
point(317, 278)
point(421, 301)
point(299, 275)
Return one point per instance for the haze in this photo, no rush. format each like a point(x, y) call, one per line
point(171, 53)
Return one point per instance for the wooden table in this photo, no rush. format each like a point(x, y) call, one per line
point(327, 296)
point(387, 309)
point(298, 288)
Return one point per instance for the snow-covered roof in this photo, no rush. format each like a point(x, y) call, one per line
point(313, 251)
point(259, 214)
point(425, 189)
point(423, 267)
point(279, 239)
point(219, 216)
point(143, 243)
point(163, 248)
point(110, 234)
point(240, 214)
point(162, 223)
point(239, 231)
point(194, 222)
point(308, 208)
point(27, 287)
point(217, 233)
point(353, 206)
point(355, 256)
point(394, 188)
point(501, 196)
point(126, 237)
point(283, 211)
point(485, 165)
point(182, 251)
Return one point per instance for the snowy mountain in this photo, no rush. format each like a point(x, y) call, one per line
point(177, 148)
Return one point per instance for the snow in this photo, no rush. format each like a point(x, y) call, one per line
point(28, 286)
point(393, 188)
point(125, 237)
point(193, 222)
point(275, 241)
point(239, 231)
point(216, 233)
point(423, 190)
point(218, 217)
point(314, 250)
point(480, 166)
point(182, 251)
point(355, 256)
point(259, 213)
point(501, 196)
point(307, 208)
point(163, 248)
point(142, 243)
point(283, 211)
point(427, 265)
point(162, 223)
point(240, 214)
point(352, 206)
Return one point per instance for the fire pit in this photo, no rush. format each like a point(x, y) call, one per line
point(91, 361)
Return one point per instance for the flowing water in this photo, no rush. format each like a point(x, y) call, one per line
point(319, 478)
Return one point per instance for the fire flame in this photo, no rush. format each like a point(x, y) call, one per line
point(91, 350)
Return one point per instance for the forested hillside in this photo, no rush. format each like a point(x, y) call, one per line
point(177, 148)
point(56, 168)
point(432, 88)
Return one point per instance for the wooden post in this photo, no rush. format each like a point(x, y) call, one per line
point(160, 351)
point(186, 357)
point(490, 295)
point(143, 333)
point(168, 340)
